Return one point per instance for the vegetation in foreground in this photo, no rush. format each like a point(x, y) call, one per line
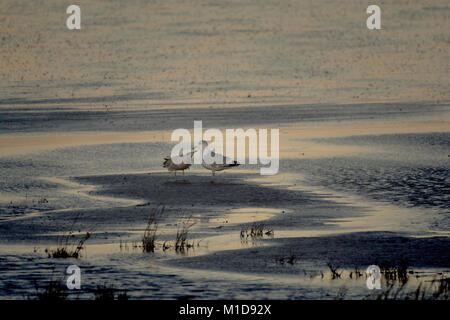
point(68, 246)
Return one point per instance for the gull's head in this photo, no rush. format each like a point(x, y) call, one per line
point(202, 144)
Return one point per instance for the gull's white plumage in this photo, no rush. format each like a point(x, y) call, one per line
point(178, 163)
point(224, 164)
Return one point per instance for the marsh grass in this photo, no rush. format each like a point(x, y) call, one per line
point(390, 272)
point(291, 259)
point(104, 292)
point(67, 246)
point(435, 289)
point(107, 292)
point(67, 251)
point(443, 288)
point(54, 290)
point(126, 246)
point(150, 232)
point(334, 270)
point(396, 272)
point(181, 243)
point(397, 283)
point(356, 273)
point(149, 239)
point(255, 230)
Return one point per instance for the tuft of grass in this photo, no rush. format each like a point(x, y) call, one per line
point(356, 273)
point(69, 251)
point(291, 259)
point(53, 291)
point(181, 239)
point(436, 289)
point(280, 260)
point(244, 232)
point(104, 292)
point(149, 238)
point(334, 270)
point(126, 246)
point(66, 247)
point(107, 292)
point(443, 288)
point(256, 230)
point(395, 272)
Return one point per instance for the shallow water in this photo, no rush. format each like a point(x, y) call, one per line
point(410, 170)
point(142, 276)
point(381, 183)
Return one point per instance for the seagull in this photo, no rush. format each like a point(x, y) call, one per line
point(226, 163)
point(178, 163)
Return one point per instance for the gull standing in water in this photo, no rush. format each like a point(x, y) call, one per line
point(178, 163)
point(226, 163)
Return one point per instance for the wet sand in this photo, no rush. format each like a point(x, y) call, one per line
point(306, 225)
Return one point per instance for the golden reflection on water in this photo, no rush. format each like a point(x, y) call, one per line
point(293, 139)
point(18, 144)
point(246, 215)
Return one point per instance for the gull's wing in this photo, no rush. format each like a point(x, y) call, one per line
point(177, 162)
point(226, 162)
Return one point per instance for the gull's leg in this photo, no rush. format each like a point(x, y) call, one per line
point(175, 175)
point(212, 177)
